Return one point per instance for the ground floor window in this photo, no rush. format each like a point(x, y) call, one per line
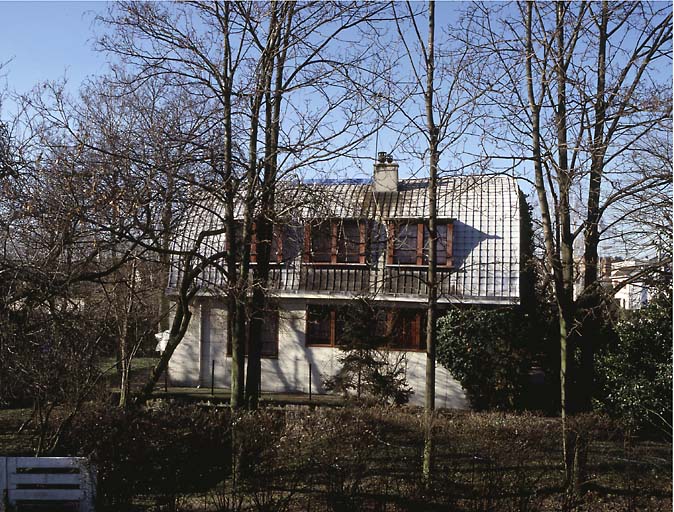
point(397, 328)
point(269, 335)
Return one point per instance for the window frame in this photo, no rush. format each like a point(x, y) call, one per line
point(336, 227)
point(332, 312)
point(421, 239)
point(417, 328)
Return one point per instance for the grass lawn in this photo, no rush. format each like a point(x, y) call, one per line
point(140, 369)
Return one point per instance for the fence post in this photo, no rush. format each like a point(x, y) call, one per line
point(4, 498)
point(309, 381)
point(212, 376)
point(88, 486)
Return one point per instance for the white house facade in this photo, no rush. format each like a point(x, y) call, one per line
point(337, 241)
point(629, 279)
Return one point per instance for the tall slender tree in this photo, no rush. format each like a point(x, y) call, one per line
point(440, 107)
point(578, 86)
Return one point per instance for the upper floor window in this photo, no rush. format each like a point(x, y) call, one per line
point(335, 241)
point(409, 243)
point(277, 241)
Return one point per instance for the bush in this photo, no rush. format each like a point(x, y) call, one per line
point(634, 371)
point(358, 458)
point(163, 449)
point(489, 352)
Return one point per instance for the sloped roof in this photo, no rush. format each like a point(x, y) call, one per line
point(484, 209)
point(455, 197)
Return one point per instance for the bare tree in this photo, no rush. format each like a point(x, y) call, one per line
point(439, 111)
point(52, 252)
point(250, 66)
point(578, 86)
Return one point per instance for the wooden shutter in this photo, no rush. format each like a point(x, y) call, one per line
point(420, 243)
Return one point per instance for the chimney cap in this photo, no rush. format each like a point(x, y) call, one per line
point(383, 157)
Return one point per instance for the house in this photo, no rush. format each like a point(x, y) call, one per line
point(349, 239)
point(631, 278)
point(630, 282)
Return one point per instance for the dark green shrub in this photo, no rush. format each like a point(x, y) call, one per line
point(366, 370)
point(634, 371)
point(489, 352)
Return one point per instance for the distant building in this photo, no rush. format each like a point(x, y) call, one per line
point(628, 277)
point(634, 292)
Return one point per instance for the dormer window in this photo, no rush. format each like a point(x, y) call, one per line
point(276, 250)
point(409, 242)
point(335, 242)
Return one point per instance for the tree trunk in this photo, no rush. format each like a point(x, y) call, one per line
point(278, 41)
point(125, 351)
point(573, 438)
point(164, 256)
point(432, 238)
point(591, 297)
point(181, 322)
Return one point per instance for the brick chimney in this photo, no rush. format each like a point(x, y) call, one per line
point(605, 267)
point(385, 173)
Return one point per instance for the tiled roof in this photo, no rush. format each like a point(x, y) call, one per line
point(485, 211)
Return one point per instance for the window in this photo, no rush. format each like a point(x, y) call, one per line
point(443, 249)
point(407, 248)
point(320, 325)
point(269, 336)
point(408, 329)
point(350, 242)
point(402, 329)
point(409, 243)
point(335, 241)
point(321, 238)
point(276, 250)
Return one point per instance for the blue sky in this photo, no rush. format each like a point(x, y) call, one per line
point(47, 41)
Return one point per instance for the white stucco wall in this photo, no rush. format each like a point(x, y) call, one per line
point(205, 342)
point(184, 364)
